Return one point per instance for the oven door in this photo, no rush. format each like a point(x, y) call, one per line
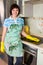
point(30, 55)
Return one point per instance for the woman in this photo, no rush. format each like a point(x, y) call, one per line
point(11, 36)
point(12, 28)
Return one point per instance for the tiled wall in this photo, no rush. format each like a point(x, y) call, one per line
point(36, 26)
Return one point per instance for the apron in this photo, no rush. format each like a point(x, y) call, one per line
point(13, 43)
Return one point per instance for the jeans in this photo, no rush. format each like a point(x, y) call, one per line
point(19, 60)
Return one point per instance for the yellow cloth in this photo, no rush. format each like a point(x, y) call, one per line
point(2, 47)
point(32, 38)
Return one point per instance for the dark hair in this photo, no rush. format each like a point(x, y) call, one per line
point(14, 6)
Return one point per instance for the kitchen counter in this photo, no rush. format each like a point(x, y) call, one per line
point(33, 45)
point(38, 48)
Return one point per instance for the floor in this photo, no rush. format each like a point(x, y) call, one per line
point(2, 62)
point(3, 59)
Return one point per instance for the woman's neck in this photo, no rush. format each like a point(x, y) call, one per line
point(14, 17)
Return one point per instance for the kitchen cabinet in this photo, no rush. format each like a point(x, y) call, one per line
point(40, 57)
point(26, 8)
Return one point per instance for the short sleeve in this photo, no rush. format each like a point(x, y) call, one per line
point(6, 24)
point(22, 21)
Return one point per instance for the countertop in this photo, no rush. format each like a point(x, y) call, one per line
point(33, 45)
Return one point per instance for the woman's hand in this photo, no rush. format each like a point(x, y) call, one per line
point(2, 49)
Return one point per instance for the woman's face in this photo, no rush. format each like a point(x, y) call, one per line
point(15, 12)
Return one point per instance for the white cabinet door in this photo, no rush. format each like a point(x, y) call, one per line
point(40, 57)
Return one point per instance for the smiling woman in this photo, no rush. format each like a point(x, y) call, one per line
point(13, 38)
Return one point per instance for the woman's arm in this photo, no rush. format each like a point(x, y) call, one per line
point(28, 36)
point(2, 39)
point(3, 34)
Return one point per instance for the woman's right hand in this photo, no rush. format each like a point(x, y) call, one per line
point(2, 49)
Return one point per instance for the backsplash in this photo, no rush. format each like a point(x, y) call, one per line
point(36, 26)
